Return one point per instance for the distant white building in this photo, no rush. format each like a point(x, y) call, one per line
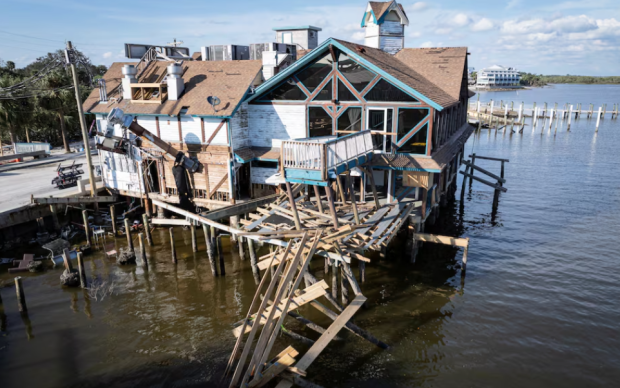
point(498, 76)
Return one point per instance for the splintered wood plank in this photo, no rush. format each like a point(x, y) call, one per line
point(327, 337)
point(376, 217)
point(391, 231)
point(272, 371)
point(390, 217)
point(446, 240)
point(314, 291)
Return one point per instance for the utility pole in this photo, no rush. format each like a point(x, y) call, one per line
point(70, 58)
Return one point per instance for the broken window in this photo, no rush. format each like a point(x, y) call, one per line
point(356, 74)
point(325, 94)
point(350, 120)
point(319, 122)
point(408, 119)
point(344, 94)
point(385, 91)
point(288, 91)
point(264, 164)
point(312, 76)
point(417, 143)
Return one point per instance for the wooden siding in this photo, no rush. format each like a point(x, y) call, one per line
point(259, 175)
point(191, 130)
point(239, 127)
point(149, 123)
point(271, 124)
point(391, 28)
point(169, 129)
point(416, 179)
point(391, 44)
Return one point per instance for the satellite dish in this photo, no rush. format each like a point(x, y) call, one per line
point(213, 101)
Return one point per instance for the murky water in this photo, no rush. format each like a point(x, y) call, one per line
point(538, 307)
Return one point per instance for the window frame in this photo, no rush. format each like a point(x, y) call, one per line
point(344, 109)
point(427, 120)
point(297, 83)
point(308, 119)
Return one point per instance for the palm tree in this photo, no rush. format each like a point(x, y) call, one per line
point(60, 102)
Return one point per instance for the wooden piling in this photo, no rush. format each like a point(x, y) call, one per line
point(319, 203)
point(293, 205)
point(234, 222)
point(21, 297)
point(173, 250)
point(332, 207)
point(54, 211)
point(344, 290)
point(356, 216)
point(81, 270)
point(240, 246)
point(192, 229)
point(142, 250)
point(570, 115)
point(598, 118)
point(86, 226)
point(128, 234)
point(67, 260)
point(473, 162)
point(209, 244)
point(220, 252)
point(253, 261)
point(147, 229)
point(334, 279)
point(113, 218)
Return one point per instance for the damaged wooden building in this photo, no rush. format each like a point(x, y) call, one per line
point(413, 100)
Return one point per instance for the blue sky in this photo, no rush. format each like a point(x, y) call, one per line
point(548, 37)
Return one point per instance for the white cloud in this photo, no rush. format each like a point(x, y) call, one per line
point(427, 44)
point(542, 37)
point(415, 34)
point(580, 23)
point(483, 24)
point(461, 20)
point(358, 36)
point(108, 54)
point(419, 6)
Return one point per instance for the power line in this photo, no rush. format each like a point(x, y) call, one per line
point(50, 40)
point(20, 48)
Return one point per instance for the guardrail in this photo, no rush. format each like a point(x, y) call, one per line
point(325, 156)
point(22, 148)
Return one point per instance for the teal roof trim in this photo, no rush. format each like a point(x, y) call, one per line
point(306, 59)
point(288, 28)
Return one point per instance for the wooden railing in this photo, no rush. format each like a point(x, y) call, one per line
point(326, 155)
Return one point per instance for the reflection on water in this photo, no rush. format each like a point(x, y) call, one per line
point(539, 305)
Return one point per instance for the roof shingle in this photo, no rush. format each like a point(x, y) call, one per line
point(228, 80)
point(406, 74)
point(444, 65)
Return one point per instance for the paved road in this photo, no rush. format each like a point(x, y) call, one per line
point(16, 186)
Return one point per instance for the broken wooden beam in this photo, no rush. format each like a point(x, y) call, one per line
point(70, 200)
point(446, 240)
point(482, 170)
point(490, 158)
point(495, 186)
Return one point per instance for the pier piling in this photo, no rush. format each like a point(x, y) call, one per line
point(172, 247)
point(147, 229)
point(86, 226)
point(598, 118)
point(142, 250)
point(210, 252)
point(192, 228)
point(128, 234)
point(220, 252)
point(113, 218)
point(81, 270)
point(21, 297)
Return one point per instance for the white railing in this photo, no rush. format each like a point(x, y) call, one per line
point(22, 148)
point(348, 148)
point(325, 156)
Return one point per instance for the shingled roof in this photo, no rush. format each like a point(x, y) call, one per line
point(404, 73)
point(228, 80)
point(444, 65)
point(379, 7)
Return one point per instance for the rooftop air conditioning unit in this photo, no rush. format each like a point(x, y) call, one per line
point(229, 52)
